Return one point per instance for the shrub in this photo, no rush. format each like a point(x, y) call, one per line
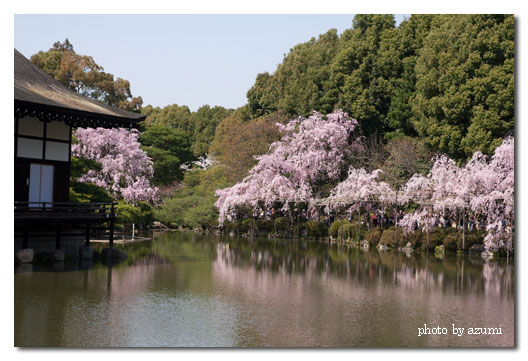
point(246, 225)
point(414, 237)
point(128, 214)
point(373, 236)
point(282, 224)
point(387, 237)
point(316, 229)
point(226, 227)
point(265, 225)
point(473, 237)
point(334, 228)
point(436, 237)
point(451, 241)
point(299, 228)
point(347, 231)
point(231, 226)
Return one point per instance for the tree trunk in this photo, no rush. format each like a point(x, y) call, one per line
point(462, 272)
point(463, 231)
point(297, 224)
point(359, 223)
point(396, 243)
point(427, 230)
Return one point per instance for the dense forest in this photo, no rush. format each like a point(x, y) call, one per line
point(434, 84)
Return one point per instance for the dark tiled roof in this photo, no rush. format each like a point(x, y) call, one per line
point(39, 94)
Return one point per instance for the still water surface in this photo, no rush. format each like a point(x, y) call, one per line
point(189, 290)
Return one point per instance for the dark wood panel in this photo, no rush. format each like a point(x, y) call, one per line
point(61, 186)
point(21, 177)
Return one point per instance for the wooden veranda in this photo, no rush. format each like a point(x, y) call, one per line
point(62, 219)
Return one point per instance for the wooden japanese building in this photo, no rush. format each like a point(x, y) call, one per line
point(45, 114)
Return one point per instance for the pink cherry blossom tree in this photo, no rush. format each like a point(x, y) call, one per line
point(311, 152)
point(444, 191)
point(125, 167)
point(418, 189)
point(496, 197)
point(486, 188)
point(360, 187)
point(432, 193)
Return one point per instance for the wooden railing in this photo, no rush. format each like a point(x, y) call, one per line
point(56, 215)
point(64, 210)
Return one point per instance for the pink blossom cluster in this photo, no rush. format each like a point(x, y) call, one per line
point(421, 218)
point(125, 167)
point(310, 152)
point(360, 186)
point(483, 187)
point(494, 194)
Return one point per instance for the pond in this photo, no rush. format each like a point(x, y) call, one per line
point(184, 289)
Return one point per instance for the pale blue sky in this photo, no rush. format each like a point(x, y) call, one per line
point(184, 59)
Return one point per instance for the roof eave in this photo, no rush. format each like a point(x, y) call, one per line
point(73, 117)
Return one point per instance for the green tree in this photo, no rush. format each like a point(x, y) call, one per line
point(140, 214)
point(172, 116)
point(200, 126)
point(204, 122)
point(82, 74)
point(239, 140)
point(465, 83)
point(355, 72)
point(169, 149)
point(262, 97)
point(405, 157)
point(193, 205)
point(365, 70)
point(299, 84)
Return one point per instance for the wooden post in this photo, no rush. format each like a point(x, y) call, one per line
point(368, 220)
point(87, 234)
point(512, 220)
point(253, 222)
point(57, 237)
point(111, 238)
point(297, 221)
point(329, 225)
point(359, 224)
point(133, 223)
point(463, 231)
point(396, 221)
point(427, 229)
point(25, 238)
point(396, 244)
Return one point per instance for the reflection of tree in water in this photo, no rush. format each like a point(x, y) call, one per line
point(166, 248)
point(494, 275)
point(308, 293)
point(452, 273)
point(262, 292)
